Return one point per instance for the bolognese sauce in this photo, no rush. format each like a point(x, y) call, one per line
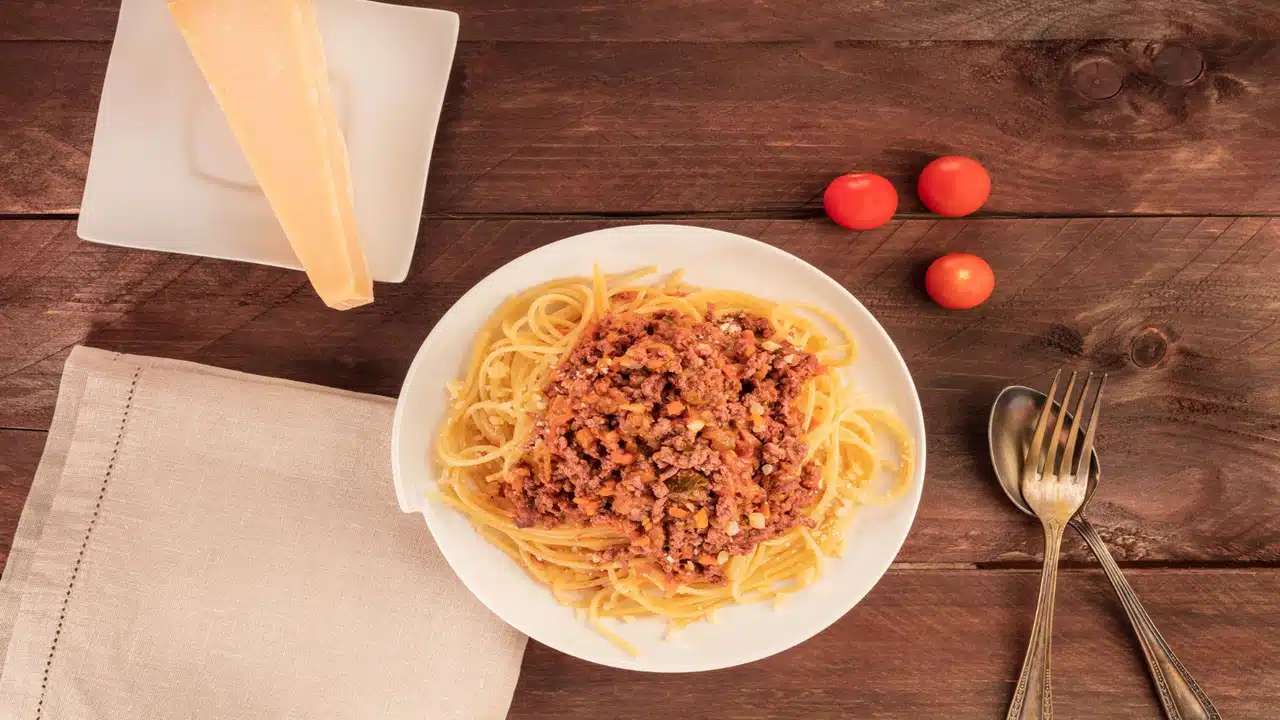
point(680, 433)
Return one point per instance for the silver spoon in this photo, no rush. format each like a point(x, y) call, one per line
point(1013, 420)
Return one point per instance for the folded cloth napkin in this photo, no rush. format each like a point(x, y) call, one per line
point(200, 543)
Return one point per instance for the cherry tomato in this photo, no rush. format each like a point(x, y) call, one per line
point(959, 281)
point(954, 186)
point(860, 201)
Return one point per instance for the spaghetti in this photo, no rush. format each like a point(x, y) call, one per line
point(494, 441)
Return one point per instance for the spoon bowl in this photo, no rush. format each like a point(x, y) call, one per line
point(1013, 422)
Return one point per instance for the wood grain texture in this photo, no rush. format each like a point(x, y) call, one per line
point(644, 127)
point(49, 95)
point(19, 455)
point(748, 20)
point(1189, 438)
point(761, 127)
point(942, 644)
point(61, 20)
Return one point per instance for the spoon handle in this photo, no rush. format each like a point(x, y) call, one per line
point(1180, 696)
point(1033, 697)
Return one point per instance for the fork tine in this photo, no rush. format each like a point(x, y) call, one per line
point(1068, 453)
point(1036, 451)
point(1086, 452)
point(1057, 427)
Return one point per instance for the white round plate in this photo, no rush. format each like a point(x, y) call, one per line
point(711, 258)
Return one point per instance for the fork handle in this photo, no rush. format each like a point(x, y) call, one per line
point(1179, 694)
point(1033, 697)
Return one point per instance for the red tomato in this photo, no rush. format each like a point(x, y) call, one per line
point(860, 201)
point(959, 281)
point(954, 186)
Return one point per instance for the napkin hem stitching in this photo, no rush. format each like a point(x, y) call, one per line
point(84, 545)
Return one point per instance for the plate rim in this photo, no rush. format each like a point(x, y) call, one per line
point(917, 430)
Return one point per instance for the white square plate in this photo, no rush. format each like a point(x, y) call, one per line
point(166, 173)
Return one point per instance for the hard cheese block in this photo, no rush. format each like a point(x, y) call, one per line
point(264, 61)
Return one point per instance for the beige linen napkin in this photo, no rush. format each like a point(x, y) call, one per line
point(200, 543)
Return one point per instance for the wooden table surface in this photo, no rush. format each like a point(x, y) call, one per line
point(1134, 146)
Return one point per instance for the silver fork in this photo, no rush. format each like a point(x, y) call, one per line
point(1055, 494)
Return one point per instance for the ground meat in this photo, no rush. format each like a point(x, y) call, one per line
point(677, 432)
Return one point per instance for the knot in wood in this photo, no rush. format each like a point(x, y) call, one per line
point(1149, 348)
point(1178, 65)
point(1097, 78)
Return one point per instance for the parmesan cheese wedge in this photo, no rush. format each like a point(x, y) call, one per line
point(264, 61)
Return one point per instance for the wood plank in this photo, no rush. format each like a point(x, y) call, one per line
point(763, 127)
point(641, 127)
point(1189, 438)
point(747, 20)
point(19, 455)
point(949, 645)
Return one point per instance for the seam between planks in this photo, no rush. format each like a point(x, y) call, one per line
point(799, 213)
